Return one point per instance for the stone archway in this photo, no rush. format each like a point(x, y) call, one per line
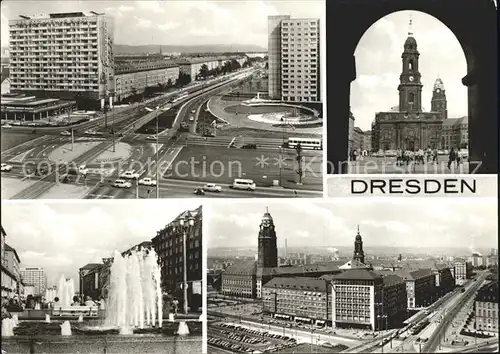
point(474, 23)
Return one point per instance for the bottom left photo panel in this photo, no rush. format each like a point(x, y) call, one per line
point(102, 277)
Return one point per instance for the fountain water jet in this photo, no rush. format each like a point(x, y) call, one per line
point(80, 318)
point(37, 306)
point(135, 297)
point(66, 328)
point(183, 329)
point(126, 330)
point(65, 291)
point(171, 317)
point(7, 327)
point(47, 318)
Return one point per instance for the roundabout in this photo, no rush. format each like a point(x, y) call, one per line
point(266, 115)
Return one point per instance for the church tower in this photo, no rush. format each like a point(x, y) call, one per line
point(268, 249)
point(410, 86)
point(438, 101)
point(359, 254)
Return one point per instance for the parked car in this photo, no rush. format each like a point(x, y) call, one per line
point(212, 187)
point(6, 168)
point(130, 174)
point(147, 182)
point(6, 126)
point(65, 133)
point(121, 183)
point(83, 170)
point(151, 137)
point(199, 191)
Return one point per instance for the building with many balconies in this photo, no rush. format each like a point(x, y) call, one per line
point(63, 55)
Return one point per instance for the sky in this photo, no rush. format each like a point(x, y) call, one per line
point(64, 236)
point(378, 65)
point(412, 222)
point(175, 22)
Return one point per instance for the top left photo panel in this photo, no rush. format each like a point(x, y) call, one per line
point(162, 99)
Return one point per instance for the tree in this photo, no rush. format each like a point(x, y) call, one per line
point(204, 72)
point(183, 80)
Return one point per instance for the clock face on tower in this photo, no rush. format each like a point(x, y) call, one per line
point(411, 78)
point(438, 90)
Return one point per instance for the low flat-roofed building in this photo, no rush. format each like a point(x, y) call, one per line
point(30, 108)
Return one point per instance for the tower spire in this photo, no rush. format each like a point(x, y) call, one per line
point(410, 30)
point(358, 229)
point(267, 210)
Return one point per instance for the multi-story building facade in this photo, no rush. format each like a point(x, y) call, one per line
point(132, 77)
point(455, 133)
point(357, 139)
point(420, 287)
point(240, 279)
point(37, 277)
point(13, 262)
point(94, 279)
point(365, 299)
point(486, 309)
point(294, 64)
point(63, 55)
point(301, 299)
point(84, 279)
point(168, 244)
point(367, 141)
point(443, 275)
point(192, 66)
point(463, 271)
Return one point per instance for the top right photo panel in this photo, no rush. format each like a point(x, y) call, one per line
point(412, 87)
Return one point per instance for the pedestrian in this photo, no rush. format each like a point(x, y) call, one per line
point(451, 158)
point(294, 192)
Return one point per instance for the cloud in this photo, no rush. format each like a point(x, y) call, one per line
point(153, 6)
point(143, 23)
point(124, 8)
point(168, 26)
point(410, 222)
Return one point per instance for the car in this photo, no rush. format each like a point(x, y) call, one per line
point(151, 137)
point(7, 126)
point(91, 132)
point(199, 191)
point(130, 174)
point(249, 146)
point(191, 118)
point(65, 133)
point(121, 183)
point(67, 178)
point(6, 168)
point(147, 182)
point(193, 111)
point(212, 187)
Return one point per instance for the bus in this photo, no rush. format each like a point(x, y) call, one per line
point(305, 143)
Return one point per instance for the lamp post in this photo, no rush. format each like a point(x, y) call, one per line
point(186, 224)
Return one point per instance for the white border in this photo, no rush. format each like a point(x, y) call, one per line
point(204, 245)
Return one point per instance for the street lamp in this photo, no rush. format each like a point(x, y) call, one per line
point(157, 108)
point(186, 224)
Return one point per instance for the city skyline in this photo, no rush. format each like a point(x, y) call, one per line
point(62, 237)
point(469, 223)
point(176, 22)
point(378, 65)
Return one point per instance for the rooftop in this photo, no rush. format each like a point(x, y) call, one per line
point(357, 274)
point(10, 249)
point(91, 265)
point(456, 121)
point(298, 283)
point(488, 293)
point(60, 15)
point(242, 268)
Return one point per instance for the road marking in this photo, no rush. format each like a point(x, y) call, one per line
point(231, 143)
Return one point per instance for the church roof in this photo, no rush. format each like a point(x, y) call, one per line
point(298, 283)
point(410, 41)
point(242, 268)
point(353, 264)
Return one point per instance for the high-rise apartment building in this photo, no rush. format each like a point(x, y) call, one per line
point(36, 277)
point(63, 55)
point(293, 59)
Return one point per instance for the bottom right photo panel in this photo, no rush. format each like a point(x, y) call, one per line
point(415, 275)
